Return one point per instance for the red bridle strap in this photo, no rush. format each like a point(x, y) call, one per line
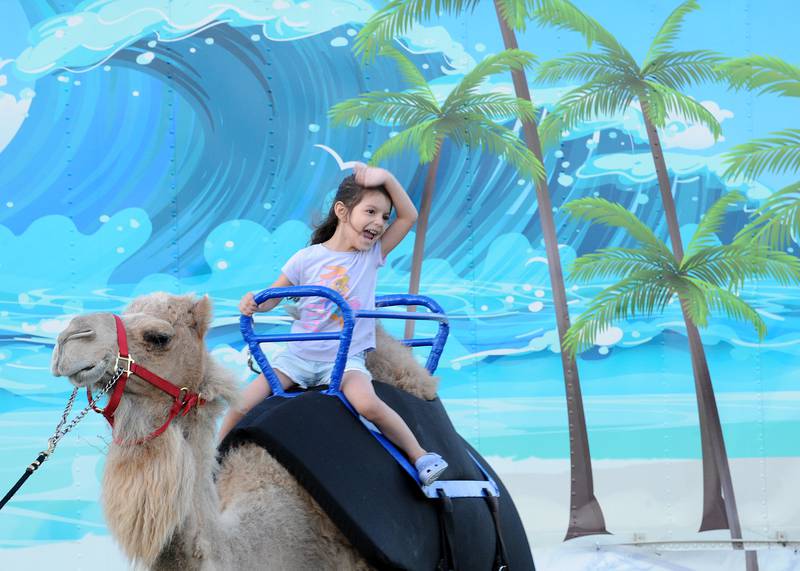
point(183, 401)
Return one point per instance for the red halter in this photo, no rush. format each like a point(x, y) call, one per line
point(184, 398)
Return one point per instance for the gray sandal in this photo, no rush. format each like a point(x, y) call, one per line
point(429, 468)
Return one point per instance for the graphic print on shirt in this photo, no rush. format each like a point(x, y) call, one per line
point(319, 311)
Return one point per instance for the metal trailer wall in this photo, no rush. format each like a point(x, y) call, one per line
point(175, 146)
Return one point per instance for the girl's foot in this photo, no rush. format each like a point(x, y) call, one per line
point(429, 467)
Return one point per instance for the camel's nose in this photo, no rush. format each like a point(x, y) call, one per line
point(81, 327)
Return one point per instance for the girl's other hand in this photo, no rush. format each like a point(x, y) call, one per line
point(247, 305)
point(370, 177)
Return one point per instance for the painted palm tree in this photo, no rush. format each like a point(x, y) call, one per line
point(707, 278)
point(396, 18)
point(466, 117)
point(612, 81)
point(777, 222)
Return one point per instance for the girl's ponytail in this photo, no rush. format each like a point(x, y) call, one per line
point(325, 229)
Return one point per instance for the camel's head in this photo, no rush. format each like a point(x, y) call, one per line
point(165, 335)
point(149, 486)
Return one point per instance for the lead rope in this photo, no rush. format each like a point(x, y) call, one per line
point(59, 433)
point(251, 363)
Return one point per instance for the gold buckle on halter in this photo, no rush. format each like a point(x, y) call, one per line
point(129, 362)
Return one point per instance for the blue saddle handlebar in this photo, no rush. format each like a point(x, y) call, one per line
point(437, 342)
point(345, 335)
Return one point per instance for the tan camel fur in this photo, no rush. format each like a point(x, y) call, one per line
point(160, 498)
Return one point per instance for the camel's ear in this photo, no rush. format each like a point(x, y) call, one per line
point(201, 312)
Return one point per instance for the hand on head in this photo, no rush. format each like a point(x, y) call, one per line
point(247, 305)
point(370, 177)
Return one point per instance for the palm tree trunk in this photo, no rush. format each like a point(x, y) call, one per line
point(586, 516)
point(713, 504)
point(704, 386)
point(719, 502)
point(422, 229)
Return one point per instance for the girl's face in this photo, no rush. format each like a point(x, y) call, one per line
point(366, 221)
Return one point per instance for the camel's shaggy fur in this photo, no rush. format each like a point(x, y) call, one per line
point(393, 363)
point(160, 498)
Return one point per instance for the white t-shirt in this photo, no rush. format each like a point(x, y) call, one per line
point(354, 276)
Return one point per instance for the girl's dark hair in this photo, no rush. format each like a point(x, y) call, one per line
point(350, 194)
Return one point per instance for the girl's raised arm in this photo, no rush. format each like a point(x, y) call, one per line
point(406, 211)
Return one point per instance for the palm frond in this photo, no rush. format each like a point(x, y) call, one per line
point(774, 264)
point(504, 61)
point(603, 97)
point(582, 66)
point(516, 13)
point(397, 17)
point(602, 211)
point(422, 138)
point(503, 142)
point(643, 293)
point(678, 70)
point(723, 266)
point(729, 266)
point(497, 106)
point(777, 153)
point(411, 74)
point(614, 263)
point(693, 300)
point(551, 127)
point(777, 222)
point(669, 30)
point(388, 108)
point(564, 15)
point(664, 102)
point(718, 299)
point(711, 223)
point(767, 74)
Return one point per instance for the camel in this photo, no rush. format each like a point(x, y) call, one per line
point(167, 501)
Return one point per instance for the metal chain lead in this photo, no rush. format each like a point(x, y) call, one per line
point(251, 363)
point(53, 439)
point(61, 432)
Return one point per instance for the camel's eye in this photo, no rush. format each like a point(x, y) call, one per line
point(157, 339)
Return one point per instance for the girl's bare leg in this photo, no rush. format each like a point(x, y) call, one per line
point(253, 394)
point(358, 389)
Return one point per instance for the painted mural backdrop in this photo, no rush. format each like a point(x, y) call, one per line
point(188, 146)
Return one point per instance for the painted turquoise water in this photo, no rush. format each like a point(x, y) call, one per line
point(506, 398)
point(501, 378)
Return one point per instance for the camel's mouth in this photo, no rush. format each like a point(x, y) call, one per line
point(91, 374)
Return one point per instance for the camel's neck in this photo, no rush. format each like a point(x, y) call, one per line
point(200, 536)
point(159, 497)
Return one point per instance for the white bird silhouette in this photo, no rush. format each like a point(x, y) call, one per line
point(342, 165)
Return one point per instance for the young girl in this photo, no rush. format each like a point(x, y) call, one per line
point(346, 250)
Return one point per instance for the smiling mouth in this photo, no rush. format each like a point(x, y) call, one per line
point(370, 234)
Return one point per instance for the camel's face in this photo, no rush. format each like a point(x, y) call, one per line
point(86, 349)
point(165, 335)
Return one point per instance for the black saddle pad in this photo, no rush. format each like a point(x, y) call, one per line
point(377, 505)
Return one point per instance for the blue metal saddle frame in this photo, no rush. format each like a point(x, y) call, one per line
point(436, 490)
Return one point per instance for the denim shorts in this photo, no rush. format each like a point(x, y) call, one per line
point(309, 374)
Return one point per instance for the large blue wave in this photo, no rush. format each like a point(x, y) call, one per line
point(218, 126)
